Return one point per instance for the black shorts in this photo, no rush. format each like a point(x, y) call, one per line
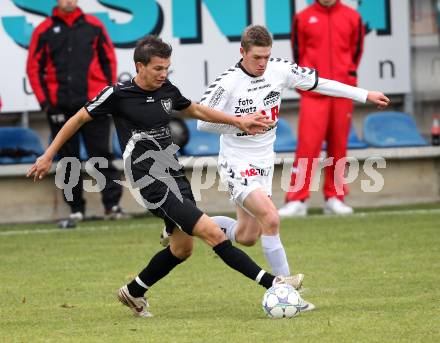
point(175, 213)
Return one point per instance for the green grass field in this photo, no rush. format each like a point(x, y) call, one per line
point(375, 277)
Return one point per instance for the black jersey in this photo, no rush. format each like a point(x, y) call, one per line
point(135, 110)
point(146, 114)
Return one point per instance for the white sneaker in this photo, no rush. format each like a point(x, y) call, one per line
point(116, 213)
point(294, 280)
point(293, 209)
point(137, 305)
point(76, 216)
point(336, 206)
point(164, 237)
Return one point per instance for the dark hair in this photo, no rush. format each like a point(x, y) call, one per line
point(255, 35)
point(150, 46)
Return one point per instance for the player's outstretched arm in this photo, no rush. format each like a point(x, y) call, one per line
point(339, 89)
point(252, 123)
point(44, 162)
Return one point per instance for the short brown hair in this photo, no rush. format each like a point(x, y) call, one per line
point(255, 35)
point(150, 46)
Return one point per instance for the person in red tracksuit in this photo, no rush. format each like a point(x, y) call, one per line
point(327, 36)
point(71, 58)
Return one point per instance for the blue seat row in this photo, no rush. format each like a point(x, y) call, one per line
point(381, 129)
point(83, 156)
point(392, 129)
point(19, 145)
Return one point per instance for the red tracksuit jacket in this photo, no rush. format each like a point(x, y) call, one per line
point(324, 30)
point(71, 59)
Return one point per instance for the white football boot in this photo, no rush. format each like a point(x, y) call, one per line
point(137, 305)
point(335, 206)
point(306, 306)
point(293, 209)
point(294, 280)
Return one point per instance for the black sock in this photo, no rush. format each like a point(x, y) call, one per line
point(159, 266)
point(241, 262)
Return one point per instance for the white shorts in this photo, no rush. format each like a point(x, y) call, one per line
point(243, 177)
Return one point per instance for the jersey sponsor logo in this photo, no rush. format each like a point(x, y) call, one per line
point(267, 85)
point(258, 81)
point(244, 134)
point(159, 133)
point(244, 106)
point(241, 110)
point(255, 172)
point(167, 104)
point(245, 102)
point(271, 99)
point(274, 112)
point(216, 97)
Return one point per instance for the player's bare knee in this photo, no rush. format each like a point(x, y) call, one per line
point(249, 241)
point(215, 235)
point(182, 251)
point(271, 222)
point(209, 231)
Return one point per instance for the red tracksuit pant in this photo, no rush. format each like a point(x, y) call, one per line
point(321, 119)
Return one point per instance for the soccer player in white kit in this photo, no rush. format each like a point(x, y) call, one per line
point(245, 162)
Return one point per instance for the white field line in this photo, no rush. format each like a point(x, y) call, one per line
point(374, 214)
point(124, 226)
point(91, 228)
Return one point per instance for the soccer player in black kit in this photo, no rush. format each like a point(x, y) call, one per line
point(140, 109)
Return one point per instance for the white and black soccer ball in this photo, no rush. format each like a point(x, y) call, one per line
point(282, 301)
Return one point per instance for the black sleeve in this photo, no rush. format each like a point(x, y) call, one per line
point(179, 101)
point(102, 104)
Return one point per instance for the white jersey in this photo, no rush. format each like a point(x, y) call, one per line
point(236, 92)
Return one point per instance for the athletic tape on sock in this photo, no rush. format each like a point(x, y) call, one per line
point(140, 282)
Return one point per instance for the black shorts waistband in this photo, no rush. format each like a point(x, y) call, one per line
point(159, 133)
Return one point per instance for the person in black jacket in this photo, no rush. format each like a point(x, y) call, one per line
point(71, 58)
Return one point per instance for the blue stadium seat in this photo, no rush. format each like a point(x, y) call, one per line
point(353, 140)
point(200, 143)
point(285, 140)
point(19, 145)
point(117, 152)
point(83, 156)
point(391, 129)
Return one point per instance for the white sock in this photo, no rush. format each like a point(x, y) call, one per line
point(275, 255)
point(228, 225)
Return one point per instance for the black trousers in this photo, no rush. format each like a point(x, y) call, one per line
point(97, 140)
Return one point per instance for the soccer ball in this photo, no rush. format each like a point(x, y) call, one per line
point(281, 301)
